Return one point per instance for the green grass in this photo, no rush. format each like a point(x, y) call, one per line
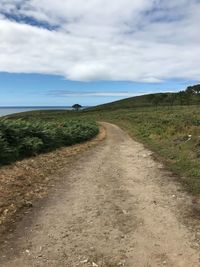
point(153, 100)
point(166, 130)
point(22, 138)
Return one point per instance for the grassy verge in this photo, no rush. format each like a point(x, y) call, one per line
point(173, 133)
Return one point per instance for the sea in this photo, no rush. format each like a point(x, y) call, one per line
point(12, 110)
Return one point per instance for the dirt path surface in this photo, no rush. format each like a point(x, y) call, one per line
point(115, 207)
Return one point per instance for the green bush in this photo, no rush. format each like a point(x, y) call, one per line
point(19, 138)
point(6, 152)
point(30, 146)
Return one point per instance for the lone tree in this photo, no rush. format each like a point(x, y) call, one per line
point(76, 107)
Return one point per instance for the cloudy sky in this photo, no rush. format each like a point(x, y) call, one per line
point(65, 51)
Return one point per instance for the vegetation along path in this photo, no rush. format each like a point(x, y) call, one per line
point(117, 206)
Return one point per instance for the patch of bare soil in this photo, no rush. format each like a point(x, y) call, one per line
point(114, 206)
point(24, 181)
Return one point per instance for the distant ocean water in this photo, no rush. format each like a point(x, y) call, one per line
point(11, 110)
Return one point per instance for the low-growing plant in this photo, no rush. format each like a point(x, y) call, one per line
point(20, 138)
point(30, 146)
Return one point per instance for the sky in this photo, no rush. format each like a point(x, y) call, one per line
point(90, 52)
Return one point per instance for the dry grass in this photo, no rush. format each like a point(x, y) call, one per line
point(29, 179)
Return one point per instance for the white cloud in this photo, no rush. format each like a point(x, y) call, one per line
point(64, 93)
point(145, 41)
point(102, 93)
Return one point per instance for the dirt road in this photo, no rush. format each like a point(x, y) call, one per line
point(115, 207)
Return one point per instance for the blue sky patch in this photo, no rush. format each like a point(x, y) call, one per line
point(30, 21)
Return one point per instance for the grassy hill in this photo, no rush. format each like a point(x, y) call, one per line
point(132, 102)
point(191, 96)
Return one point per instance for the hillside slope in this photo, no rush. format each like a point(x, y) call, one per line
point(191, 96)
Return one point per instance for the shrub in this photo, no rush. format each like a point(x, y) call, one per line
point(30, 146)
point(6, 152)
point(19, 138)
